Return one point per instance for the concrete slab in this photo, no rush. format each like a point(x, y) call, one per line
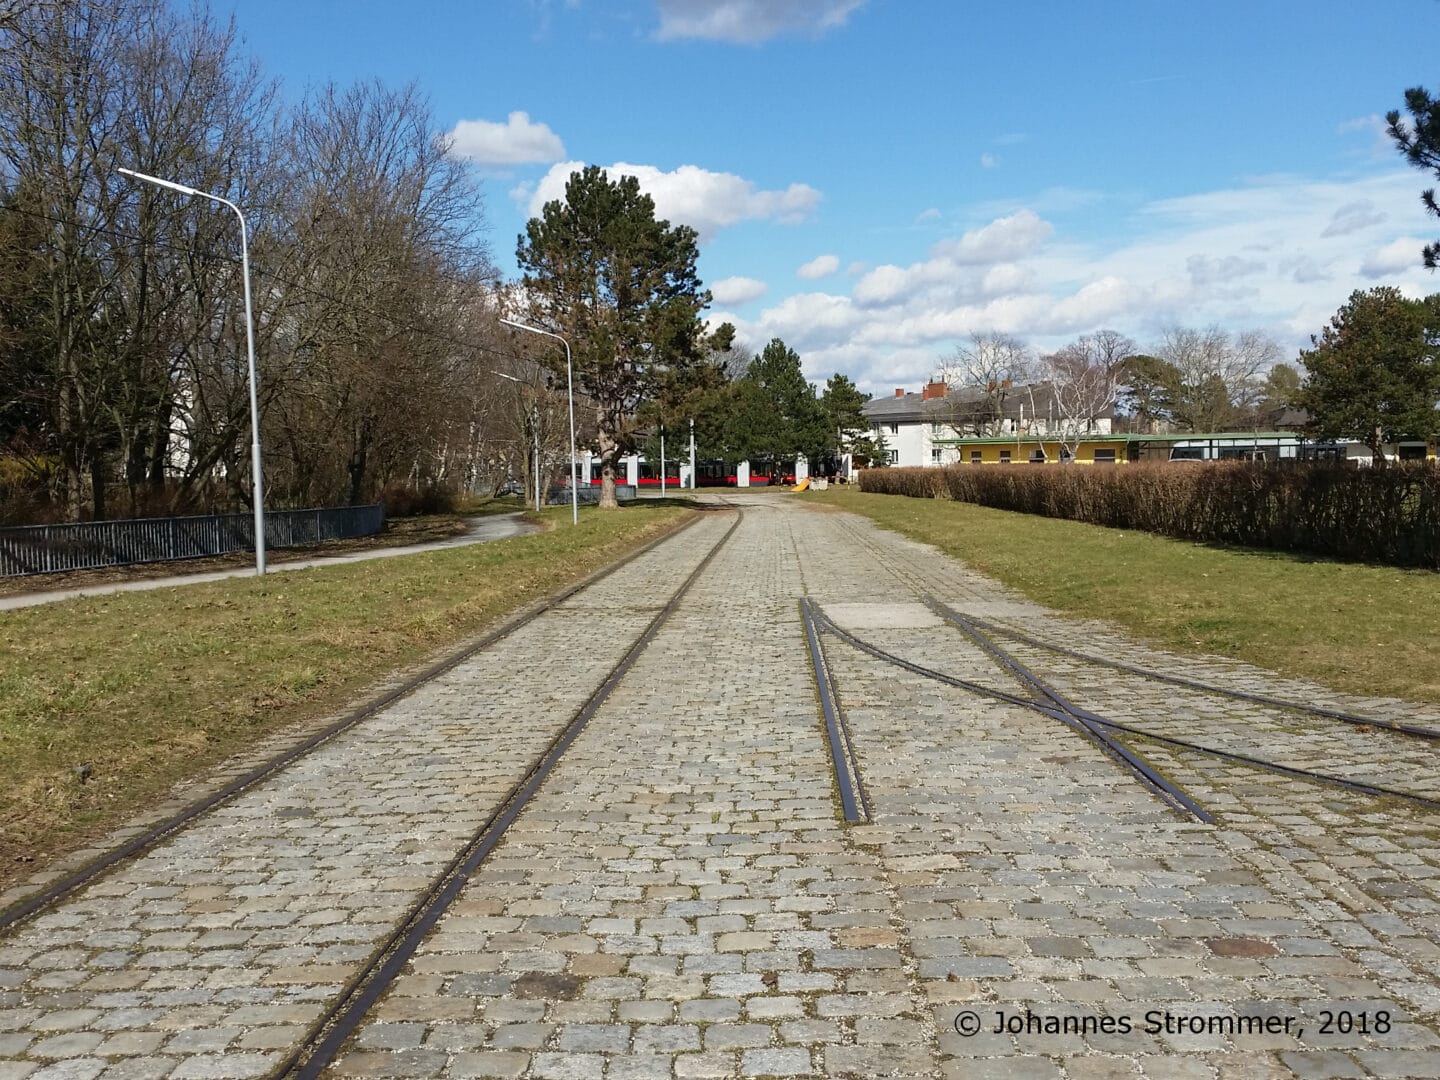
point(887, 616)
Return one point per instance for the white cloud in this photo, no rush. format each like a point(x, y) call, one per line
point(1374, 125)
point(750, 22)
point(1003, 240)
point(1204, 270)
point(1253, 256)
point(706, 201)
point(819, 267)
point(518, 141)
point(988, 161)
point(1352, 217)
point(737, 290)
point(928, 215)
point(1398, 255)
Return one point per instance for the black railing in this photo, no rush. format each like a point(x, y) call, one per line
point(91, 545)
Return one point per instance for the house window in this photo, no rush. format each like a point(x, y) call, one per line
point(1037, 457)
point(894, 429)
point(935, 456)
point(1104, 457)
point(1004, 457)
point(935, 430)
point(974, 457)
point(893, 456)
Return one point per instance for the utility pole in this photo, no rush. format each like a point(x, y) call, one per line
point(692, 453)
point(662, 461)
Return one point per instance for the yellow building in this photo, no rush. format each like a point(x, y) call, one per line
point(1108, 449)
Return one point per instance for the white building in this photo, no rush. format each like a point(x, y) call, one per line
point(914, 426)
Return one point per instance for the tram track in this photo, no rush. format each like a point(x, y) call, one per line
point(48, 895)
point(1041, 697)
point(330, 1033)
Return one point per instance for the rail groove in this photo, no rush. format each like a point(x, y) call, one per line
point(20, 911)
point(329, 1034)
point(977, 630)
point(854, 803)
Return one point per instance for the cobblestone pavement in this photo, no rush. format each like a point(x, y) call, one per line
point(212, 953)
point(682, 899)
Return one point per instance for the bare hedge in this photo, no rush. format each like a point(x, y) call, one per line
point(1389, 515)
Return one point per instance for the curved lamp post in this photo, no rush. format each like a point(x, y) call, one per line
point(570, 383)
point(259, 492)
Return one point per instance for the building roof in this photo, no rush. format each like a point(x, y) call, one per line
point(961, 403)
point(1126, 437)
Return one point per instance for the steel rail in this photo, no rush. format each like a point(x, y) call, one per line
point(961, 621)
point(329, 1034)
point(1057, 709)
point(24, 909)
point(837, 734)
point(1244, 759)
point(1055, 713)
point(1211, 688)
point(1274, 766)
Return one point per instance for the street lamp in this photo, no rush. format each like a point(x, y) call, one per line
point(535, 429)
point(570, 383)
point(259, 490)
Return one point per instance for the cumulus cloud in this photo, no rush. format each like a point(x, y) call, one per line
point(819, 267)
point(750, 22)
point(706, 201)
point(1251, 256)
point(988, 161)
point(1003, 240)
point(518, 141)
point(737, 290)
point(1352, 217)
point(1398, 255)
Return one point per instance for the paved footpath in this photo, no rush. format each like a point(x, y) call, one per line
point(682, 898)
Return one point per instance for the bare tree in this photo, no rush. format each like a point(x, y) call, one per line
point(1220, 375)
point(985, 375)
point(1085, 378)
point(386, 254)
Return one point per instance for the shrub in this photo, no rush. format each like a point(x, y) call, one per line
point(404, 499)
point(1389, 515)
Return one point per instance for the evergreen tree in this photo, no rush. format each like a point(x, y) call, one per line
point(620, 286)
point(1374, 373)
point(1420, 143)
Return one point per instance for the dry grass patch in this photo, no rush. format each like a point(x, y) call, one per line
point(1364, 629)
point(106, 702)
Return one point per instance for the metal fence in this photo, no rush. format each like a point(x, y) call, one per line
point(590, 493)
point(90, 545)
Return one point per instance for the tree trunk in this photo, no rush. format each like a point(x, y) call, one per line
point(97, 485)
point(609, 452)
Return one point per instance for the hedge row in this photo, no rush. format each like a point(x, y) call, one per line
point(1389, 515)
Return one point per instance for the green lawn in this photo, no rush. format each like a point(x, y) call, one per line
point(148, 688)
point(1365, 629)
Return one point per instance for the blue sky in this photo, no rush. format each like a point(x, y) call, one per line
point(873, 180)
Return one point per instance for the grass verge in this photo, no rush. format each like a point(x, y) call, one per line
point(140, 690)
point(1364, 629)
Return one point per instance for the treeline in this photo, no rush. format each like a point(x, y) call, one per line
point(123, 385)
point(761, 409)
point(1389, 516)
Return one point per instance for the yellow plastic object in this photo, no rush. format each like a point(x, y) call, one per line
point(803, 485)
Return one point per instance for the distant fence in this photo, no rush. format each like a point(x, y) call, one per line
point(91, 545)
point(591, 494)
